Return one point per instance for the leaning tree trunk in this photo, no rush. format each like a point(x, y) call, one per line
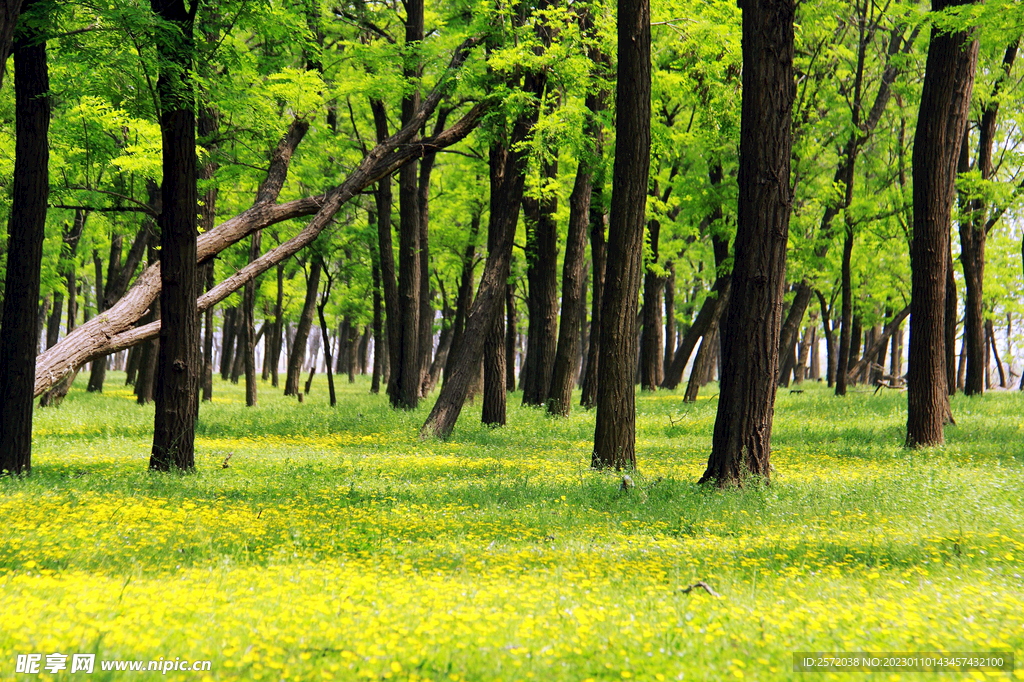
point(750, 333)
point(26, 229)
point(507, 168)
point(615, 434)
point(298, 352)
point(115, 331)
point(945, 103)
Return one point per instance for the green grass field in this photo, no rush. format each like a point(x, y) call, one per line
point(336, 545)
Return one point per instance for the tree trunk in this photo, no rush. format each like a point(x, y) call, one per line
point(278, 338)
point(327, 343)
point(298, 351)
point(98, 374)
point(511, 334)
point(465, 294)
point(249, 324)
point(507, 167)
point(750, 334)
point(207, 378)
point(426, 336)
point(846, 334)
point(178, 362)
point(563, 378)
point(990, 332)
point(598, 251)
point(25, 229)
point(614, 433)
point(227, 351)
point(945, 102)
point(670, 318)
point(378, 318)
point(406, 380)
point(542, 296)
point(146, 382)
point(652, 371)
point(495, 381)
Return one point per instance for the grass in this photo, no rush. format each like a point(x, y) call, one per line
point(336, 545)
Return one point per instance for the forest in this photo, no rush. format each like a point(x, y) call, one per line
point(510, 329)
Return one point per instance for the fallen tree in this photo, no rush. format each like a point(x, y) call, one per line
point(114, 330)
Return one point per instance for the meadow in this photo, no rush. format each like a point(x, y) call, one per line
point(335, 545)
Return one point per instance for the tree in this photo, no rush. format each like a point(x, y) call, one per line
point(750, 333)
point(179, 362)
point(945, 103)
point(975, 225)
point(615, 433)
point(26, 229)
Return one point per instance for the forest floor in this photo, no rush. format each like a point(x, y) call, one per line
point(337, 545)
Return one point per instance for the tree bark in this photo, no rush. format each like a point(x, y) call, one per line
point(507, 168)
point(652, 371)
point(98, 373)
point(321, 306)
point(615, 433)
point(945, 102)
point(179, 361)
point(405, 361)
point(227, 351)
point(249, 324)
point(750, 334)
point(26, 230)
point(563, 378)
point(588, 397)
point(298, 352)
point(207, 378)
point(542, 295)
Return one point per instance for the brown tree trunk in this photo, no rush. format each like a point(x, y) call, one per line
point(227, 351)
point(615, 433)
point(563, 378)
point(598, 250)
point(404, 388)
point(750, 333)
point(991, 334)
point(179, 361)
point(207, 378)
point(652, 372)
point(249, 324)
point(327, 341)
point(298, 351)
point(378, 321)
point(98, 373)
point(511, 334)
point(426, 336)
point(26, 230)
point(146, 381)
point(495, 381)
point(507, 167)
point(542, 294)
point(465, 295)
point(846, 332)
point(945, 102)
